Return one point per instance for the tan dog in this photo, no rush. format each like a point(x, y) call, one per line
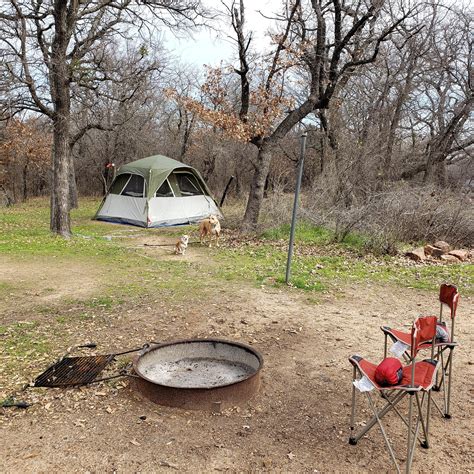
point(211, 227)
point(181, 245)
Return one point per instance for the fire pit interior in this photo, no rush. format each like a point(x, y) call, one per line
point(199, 373)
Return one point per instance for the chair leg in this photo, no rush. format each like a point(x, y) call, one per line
point(428, 413)
point(380, 414)
point(441, 412)
point(445, 382)
point(424, 425)
point(409, 443)
point(436, 386)
point(387, 442)
point(351, 437)
point(450, 378)
point(413, 446)
point(442, 383)
point(397, 411)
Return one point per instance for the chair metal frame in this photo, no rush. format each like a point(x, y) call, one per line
point(449, 296)
point(423, 330)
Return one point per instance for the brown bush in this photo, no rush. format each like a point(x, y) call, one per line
point(405, 213)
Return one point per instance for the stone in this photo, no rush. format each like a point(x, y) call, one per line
point(428, 249)
point(444, 246)
point(433, 251)
point(417, 254)
point(449, 258)
point(460, 254)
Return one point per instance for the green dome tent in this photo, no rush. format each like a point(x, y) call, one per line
point(157, 191)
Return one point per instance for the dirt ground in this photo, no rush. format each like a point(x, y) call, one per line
point(41, 281)
point(299, 420)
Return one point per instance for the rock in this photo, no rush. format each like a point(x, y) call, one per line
point(460, 254)
point(444, 246)
point(433, 251)
point(428, 249)
point(449, 258)
point(417, 254)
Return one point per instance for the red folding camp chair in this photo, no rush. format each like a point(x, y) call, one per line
point(416, 378)
point(449, 296)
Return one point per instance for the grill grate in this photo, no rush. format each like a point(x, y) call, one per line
point(73, 371)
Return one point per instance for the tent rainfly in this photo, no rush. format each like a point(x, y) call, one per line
point(157, 191)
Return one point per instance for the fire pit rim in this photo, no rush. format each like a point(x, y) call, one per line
point(156, 346)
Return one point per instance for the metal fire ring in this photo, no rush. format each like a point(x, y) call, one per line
point(198, 373)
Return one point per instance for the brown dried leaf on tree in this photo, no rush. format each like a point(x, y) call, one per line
point(25, 149)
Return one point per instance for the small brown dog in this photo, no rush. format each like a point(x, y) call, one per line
point(212, 227)
point(181, 245)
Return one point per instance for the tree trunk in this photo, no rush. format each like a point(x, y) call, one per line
point(255, 200)
point(104, 178)
point(435, 169)
point(60, 93)
point(238, 183)
point(60, 219)
point(441, 144)
point(25, 182)
point(73, 201)
point(322, 157)
point(395, 123)
point(267, 186)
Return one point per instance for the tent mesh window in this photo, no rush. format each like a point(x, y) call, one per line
point(134, 187)
point(188, 184)
point(164, 190)
point(118, 184)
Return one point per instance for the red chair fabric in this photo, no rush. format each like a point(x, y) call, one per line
point(448, 295)
point(423, 332)
point(405, 337)
point(425, 373)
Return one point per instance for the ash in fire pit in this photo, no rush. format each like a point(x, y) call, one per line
point(196, 373)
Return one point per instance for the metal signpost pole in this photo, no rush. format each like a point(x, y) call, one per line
point(295, 207)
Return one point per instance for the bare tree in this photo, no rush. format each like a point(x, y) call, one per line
point(121, 114)
point(385, 121)
point(325, 42)
point(446, 97)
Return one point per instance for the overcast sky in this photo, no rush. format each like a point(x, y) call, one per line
point(210, 47)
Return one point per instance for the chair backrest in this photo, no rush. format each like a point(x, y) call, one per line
point(448, 295)
point(422, 332)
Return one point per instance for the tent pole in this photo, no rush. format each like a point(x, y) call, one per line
point(295, 206)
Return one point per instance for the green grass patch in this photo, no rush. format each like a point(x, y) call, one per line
point(24, 230)
point(101, 302)
point(355, 241)
point(309, 234)
point(267, 265)
point(320, 271)
point(304, 232)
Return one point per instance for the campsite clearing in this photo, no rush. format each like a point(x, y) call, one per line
point(119, 293)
